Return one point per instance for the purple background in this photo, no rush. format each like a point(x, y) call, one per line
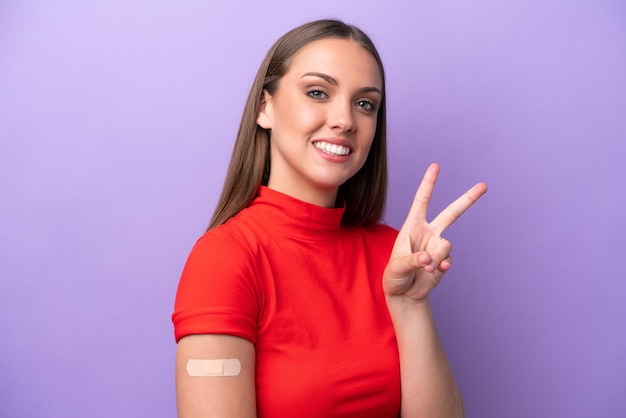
point(116, 123)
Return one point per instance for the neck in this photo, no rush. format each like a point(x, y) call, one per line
point(326, 198)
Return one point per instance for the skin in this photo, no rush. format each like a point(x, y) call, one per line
point(420, 255)
point(330, 93)
point(418, 261)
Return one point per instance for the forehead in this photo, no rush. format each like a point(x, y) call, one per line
point(340, 58)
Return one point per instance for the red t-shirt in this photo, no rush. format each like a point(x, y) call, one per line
point(306, 291)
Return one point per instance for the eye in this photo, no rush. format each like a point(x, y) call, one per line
point(366, 105)
point(317, 94)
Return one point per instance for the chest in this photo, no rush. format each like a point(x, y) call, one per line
point(325, 344)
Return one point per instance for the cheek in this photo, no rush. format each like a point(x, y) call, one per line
point(298, 116)
point(310, 116)
point(368, 130)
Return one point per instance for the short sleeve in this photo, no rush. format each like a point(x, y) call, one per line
point(217, 292)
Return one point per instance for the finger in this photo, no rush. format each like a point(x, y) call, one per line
point(439, 251)
point(424, 192)
point(399, 274)
point(454, 210)
point(405, 265)
point(445, 264)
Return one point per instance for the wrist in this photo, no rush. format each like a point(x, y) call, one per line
point(402, 306)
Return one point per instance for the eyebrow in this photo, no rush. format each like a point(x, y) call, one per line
point(331, 80)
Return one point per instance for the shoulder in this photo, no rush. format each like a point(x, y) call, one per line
point(376, 239)
point(228, 248)
point(236, 237)
point(386, 230)
point(380, 232)
point(218, 291)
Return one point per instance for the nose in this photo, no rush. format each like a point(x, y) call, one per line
point(341, 117)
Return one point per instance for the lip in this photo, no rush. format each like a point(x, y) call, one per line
point(332, 157)
point(336, 141)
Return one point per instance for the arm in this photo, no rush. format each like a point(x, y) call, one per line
point(223, 396)
point(428, 386)
point(418, 261)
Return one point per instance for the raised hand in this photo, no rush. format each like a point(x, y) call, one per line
point(420, 256)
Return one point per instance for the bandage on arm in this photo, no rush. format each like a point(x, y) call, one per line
point(215, 376)
point(213, 367)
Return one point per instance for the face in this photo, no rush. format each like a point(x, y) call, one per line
point(322, 119)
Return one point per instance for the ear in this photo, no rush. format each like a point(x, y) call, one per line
point(264, 117)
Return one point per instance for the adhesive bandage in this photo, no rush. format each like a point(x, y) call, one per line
point(213, 368)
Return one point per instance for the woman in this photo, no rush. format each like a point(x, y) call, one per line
point(298, 301)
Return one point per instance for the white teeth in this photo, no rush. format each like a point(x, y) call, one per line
point(332, 149)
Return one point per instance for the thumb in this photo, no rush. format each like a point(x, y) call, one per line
point(402, 266)
point(400, 271)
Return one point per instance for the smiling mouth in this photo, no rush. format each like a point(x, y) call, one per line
point(332, 149)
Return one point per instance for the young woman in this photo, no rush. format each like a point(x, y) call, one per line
point(298, 301)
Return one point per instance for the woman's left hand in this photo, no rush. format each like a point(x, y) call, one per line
point(420, 256)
